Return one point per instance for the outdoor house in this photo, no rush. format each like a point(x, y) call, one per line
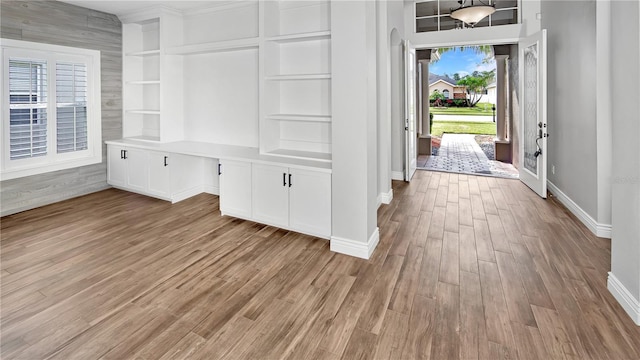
point(240, 180)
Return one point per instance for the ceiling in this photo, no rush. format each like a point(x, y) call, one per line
point(122, 7)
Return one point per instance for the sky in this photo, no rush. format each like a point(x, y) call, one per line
point(463, 62)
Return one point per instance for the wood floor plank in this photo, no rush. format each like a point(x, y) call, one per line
point(477, 208)
point(468, 255)
point(499, 238)
point(554, 336)
point(450, 261)
point(484, 246)
point(451, 221)
point(393, 336)
point(362, 345)
point(429, 269)
point(465, 214)
point(446, 342)
point(495, 307)
point(422, 327)
point(407, 283)
point(514, 293)
point(374, 310)
point(473, 335)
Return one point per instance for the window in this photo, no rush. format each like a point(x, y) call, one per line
point(433, 15)
point(51, 108)
point(445, 92)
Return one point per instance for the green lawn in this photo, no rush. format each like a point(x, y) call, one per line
point(479, 109)
point(440, 127)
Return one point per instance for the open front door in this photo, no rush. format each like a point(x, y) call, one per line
point(533, 94)
point(411, 150)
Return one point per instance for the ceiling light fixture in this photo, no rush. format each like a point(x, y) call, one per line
point(472, 14)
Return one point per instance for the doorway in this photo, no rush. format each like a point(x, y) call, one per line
point(466, 111)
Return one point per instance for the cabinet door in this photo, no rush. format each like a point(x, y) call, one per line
point(310, 202)
point(137, 170)
point(270, 189)
point(235, 188)
point(160, 174)
point(116, 166)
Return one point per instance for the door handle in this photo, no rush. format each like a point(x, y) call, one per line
point(165, 160)
point(284, 179)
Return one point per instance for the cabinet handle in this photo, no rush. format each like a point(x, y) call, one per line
point(284, 179)
point(121, 154)
point(165, 160)
point(125, 154)
point(219, 169)
point(290, 183)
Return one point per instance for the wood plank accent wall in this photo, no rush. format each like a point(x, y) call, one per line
point(58, 23)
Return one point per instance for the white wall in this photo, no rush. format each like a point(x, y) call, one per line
point(624, 281)
point(572, 99)
point(221, 101)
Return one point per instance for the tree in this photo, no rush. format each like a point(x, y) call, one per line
point(437, 96)
point(476, 84)
point(456, 77)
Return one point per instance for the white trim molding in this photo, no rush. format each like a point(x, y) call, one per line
point(385, 198)
point(630, 304)
point(356, 248)
point(598, 229)
point(397, 175)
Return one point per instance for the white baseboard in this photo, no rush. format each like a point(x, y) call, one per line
point(629, 303)
point(385, 198)
point(600, 230)
point(355, 248)
point(397, 175)
point(210, 189)
point(186, 194)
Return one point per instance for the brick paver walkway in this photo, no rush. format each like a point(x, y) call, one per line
point(461, 153)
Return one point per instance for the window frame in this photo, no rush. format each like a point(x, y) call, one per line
point(52, 161)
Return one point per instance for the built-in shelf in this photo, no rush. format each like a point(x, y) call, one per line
point(144, 53)
point(144, 82)
point(146, 112)
point(296, 154)
point(217, 46)
point(298, 77)
point(309, 36)
point(298, 117)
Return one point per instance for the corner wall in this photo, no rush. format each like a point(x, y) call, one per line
point(53, 22)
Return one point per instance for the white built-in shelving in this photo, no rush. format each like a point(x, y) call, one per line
point(296, 59)
point(247, 73)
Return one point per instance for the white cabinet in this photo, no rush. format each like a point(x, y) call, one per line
point(127, 168)
point(116, 166)
point(296, 199)
point(235, 188)
point(310, 202)
point(271, 200)
point(166, 176)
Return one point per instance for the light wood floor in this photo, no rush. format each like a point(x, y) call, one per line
point(467, 267)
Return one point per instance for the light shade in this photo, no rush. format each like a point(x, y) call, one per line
point(472, 14)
